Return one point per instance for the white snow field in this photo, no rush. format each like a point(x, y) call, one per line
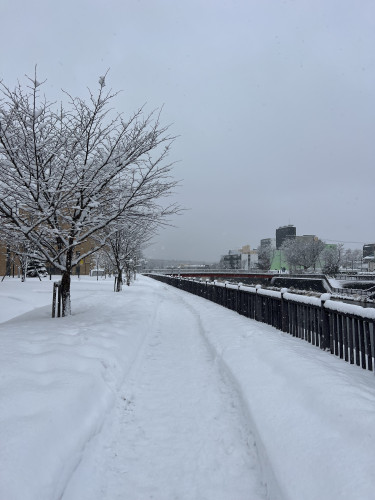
point(153, 393)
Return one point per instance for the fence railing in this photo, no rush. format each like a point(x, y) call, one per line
point(346, 330)
point(356, 276)
point(354, 291)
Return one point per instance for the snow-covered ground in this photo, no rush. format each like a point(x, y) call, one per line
point(156, 393)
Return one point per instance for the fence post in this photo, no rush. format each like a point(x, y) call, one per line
point(324, 319)
point(257, 315)
point(284, 311)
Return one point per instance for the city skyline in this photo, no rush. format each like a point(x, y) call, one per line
point(346, 245)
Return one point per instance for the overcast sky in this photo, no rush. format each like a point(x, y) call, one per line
point(273, 102)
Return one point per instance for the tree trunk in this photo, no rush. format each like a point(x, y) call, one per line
point(23, 272)
point(128, 276)
point(65, 285)
point(119, 280)
point(65, 293)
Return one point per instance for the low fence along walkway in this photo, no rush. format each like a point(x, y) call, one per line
point(346, 330)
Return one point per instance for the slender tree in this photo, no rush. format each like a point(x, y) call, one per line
point(352, 259)
point(331, 259)
point(18, 248)
point(265, 256)
point(124, 246)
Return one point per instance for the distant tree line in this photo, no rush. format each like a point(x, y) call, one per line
point(310, 253)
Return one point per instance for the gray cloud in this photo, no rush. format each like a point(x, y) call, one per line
point(273, 101)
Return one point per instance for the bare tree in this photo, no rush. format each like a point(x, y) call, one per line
point(352, 259)
point(331, 258)
point(302, 252)
point(19, 249)
point(266, 254)
point(66, 174)
point(124, 246)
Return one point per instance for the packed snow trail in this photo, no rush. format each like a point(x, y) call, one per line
point(178, 430)
point(158, 393)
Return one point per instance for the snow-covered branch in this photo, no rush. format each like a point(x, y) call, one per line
point(67, 174)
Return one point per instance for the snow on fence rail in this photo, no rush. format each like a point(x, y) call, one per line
point(345, 330)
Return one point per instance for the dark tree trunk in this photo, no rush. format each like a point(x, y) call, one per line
point(65, 293)
point(128, 276)
point(65, 285)
point(119, 280)
point(23, 272)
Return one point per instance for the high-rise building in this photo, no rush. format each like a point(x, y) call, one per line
point(369, 250)
point(283, 233)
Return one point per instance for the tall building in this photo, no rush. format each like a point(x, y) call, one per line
point(283, 233)
point(268, 242)
point(369, 250)
point(249, 258)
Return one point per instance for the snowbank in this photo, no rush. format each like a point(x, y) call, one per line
point(59, 379)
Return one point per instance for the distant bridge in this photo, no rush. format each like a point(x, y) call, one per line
point(214, 274)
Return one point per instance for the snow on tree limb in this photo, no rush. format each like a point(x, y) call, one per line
point(67, 174)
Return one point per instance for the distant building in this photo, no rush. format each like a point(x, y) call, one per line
point(283, 233)
point(249, 258)
point(369, 250)
point(369, 257)
point(278, 261)
point(308, 237)
point(243, 258)
point(232, 260)
point(10, 263)
point(268, 242)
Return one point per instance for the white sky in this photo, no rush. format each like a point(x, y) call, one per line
point(273, 102)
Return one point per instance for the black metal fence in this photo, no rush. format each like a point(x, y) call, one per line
point(344, 330)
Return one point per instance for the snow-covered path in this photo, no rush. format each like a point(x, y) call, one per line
point(178, 430)
point(157, 393)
